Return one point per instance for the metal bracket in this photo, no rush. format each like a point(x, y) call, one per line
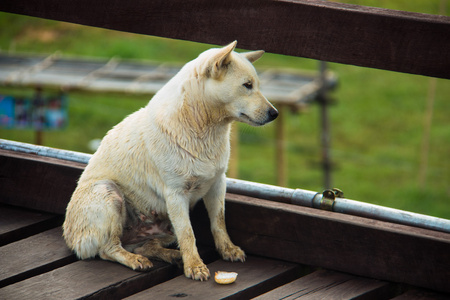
point(329, 197)
point(338, 193)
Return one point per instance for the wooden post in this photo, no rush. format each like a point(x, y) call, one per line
point(428, 119)
point(280, 148)
point(325, 124)
point(38, 115)
point(38, 137)
point(233, 165)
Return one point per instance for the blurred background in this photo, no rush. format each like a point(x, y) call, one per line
point(389, 132)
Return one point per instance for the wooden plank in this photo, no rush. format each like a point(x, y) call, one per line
point(336, 241)
point(90, 279)
point(330, 285)
point(416, 294)
point(34, 255)
point(16, 224)
point(343, 33)
point(255, 276)
point(36, 182)
point(80, 279)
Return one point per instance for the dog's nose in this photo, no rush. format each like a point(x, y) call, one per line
point(273, 114)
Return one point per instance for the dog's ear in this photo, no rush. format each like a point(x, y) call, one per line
point(222, 59)
point(253, 56)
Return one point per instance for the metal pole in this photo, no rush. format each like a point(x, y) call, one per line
point(45, 151)
point(274, 193)
point(341, 205)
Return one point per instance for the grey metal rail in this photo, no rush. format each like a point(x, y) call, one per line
point(45, 151)
point(269, 192)
point(340, 205)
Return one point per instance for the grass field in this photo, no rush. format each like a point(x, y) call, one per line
point(377, 119)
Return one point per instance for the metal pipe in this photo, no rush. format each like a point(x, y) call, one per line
point(45, 151)
point(269, 192)
point(341, 205)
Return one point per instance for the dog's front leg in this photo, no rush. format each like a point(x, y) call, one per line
point(178, 209)
point(215, 205)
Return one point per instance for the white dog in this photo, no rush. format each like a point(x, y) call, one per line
point(150, 169)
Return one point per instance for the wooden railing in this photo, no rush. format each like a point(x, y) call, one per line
point(350, 34)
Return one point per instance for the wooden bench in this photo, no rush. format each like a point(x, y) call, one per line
point(292, 251)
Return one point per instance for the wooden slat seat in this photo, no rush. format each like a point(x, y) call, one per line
point(416, 294)
point(255, 276)
point(75, 280)
point(93, 278)
point(363, 36)
point(33, 255)
point(324, 284)
point(339, 242)
point(16, 223)
point(280, 239)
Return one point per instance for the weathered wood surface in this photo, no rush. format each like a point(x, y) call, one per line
point(415, 294)
point(340, 242)
point(94, 278)
point(303, 235)
point(42, 267)
point(343, 33)
point(325, 284)
point(51, 276)
point(18, 223)
point(255, 276)
point(37, 182)
point(34, 255)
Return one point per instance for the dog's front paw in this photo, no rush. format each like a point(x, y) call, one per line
point(199, 272)
point(233, 253)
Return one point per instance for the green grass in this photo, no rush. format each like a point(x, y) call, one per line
point(377, 120)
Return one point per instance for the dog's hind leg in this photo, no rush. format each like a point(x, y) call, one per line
point(155, 248)
point(94, 224)
point(116, 216)
point(115, 252)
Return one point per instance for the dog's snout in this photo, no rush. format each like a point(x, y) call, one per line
point(273, 114)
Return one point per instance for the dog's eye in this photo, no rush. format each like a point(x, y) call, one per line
point(248, 85)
